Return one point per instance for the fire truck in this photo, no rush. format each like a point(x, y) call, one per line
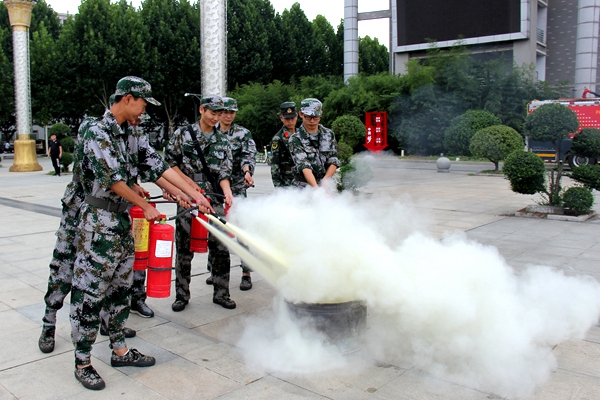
point(588, 114)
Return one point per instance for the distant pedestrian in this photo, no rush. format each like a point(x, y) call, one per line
point(55, 153)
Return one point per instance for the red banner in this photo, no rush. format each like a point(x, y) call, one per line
point(376, 124)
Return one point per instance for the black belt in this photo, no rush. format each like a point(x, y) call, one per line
point(107, 205)
point(201, 177)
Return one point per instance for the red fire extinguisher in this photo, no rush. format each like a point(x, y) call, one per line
point(160, 259)
point(140, 228)
point(198, 235)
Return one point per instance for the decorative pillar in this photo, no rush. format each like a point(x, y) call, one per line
point(586, 48)
point(350, 39)
point(213, 45)
point(19, 12)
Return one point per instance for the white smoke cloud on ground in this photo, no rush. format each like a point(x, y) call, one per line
point(453, 307)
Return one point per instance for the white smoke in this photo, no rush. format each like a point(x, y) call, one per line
point(453, 307)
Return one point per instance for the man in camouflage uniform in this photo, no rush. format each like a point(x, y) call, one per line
point(109, 158)
point(243, 150)
point(281, 159)
point(313, 147)
point(63, 258)
point(180, 154)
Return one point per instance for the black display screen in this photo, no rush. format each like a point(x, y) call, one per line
point(442, 20)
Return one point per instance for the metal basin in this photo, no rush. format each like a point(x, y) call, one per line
point(343, 324)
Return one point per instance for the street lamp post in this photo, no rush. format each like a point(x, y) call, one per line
point(19, 12)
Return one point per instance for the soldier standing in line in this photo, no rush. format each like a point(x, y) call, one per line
point(243, 150)
point(182, 154)
point(108, 161)
point(281, 159)
point(313, 147)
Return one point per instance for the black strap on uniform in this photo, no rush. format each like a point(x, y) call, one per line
point(209, 175)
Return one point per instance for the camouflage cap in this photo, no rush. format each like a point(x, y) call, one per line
point(311, 107)
point(212, 102)
point(230, 104)
point(288, 109)
point(137, 87)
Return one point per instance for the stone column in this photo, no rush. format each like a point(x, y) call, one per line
point(213, 45)
point(586, 49)
point(350, 39)
point(19, 12)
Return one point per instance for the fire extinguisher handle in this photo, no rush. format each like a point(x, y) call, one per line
point(155, 197)
point(182, 213)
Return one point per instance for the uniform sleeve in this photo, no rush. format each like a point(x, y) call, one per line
point(298, 153)
point(329, 150)
point(151, 165)
point(101, 157)
point(248, 151)
point(275, 167)
point(173, 153)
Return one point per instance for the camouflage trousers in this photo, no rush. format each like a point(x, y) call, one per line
point(240, 191)
point(138, 287)
point(102, 277)
point(63, 256)
point(219, 260)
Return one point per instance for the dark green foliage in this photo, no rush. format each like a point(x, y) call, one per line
point(495, 143)
point(551, 122)
point(525, 171)
point(68, 144)
point(60, 130)
point(587, 143)
point(349, 132)
point(587, 175)
point(249, 23)
point(457, 137)
point(65, 160)
point(578, 199)
point(373, 57)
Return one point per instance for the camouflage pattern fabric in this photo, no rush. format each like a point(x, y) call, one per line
point(63, 256)
point(282, 164)
point(219, 260)
point(311, 107)
point(316, 152)
point(243, 150)
point(137, 87)
point(181, 152)
point(106, 154)
point(212, 102)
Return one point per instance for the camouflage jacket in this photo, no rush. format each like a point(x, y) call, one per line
point(181, 152)
point(107, 153)
point(243, 150)
point(316, 152)
point(281, 159)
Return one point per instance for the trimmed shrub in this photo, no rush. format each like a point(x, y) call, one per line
point(350, 130)
point(525, 171)
point(68, 144)
point(495, 143)
point(66, 160)
point(457, 138)
point(587, 175)
point(60, 130)
point(587, 143)
point(578, 199)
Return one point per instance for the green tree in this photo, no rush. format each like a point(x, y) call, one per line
point(457, 138)
point(60, 130)
point(296, 55)
point(173, 57)
point(44, 79)
point(325, 45)
point(495, 143)
point(551, 122)
point(7, 96)
point(526, 172)
point(249, 23)
point(101, 45)
point(373, 57)
point(353, 173)
point(587, 143)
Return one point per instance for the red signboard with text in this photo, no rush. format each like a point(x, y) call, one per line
point(376, 124)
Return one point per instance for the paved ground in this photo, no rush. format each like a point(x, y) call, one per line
point(196, 350)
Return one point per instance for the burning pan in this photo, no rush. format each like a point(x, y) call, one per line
point(343, 324)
